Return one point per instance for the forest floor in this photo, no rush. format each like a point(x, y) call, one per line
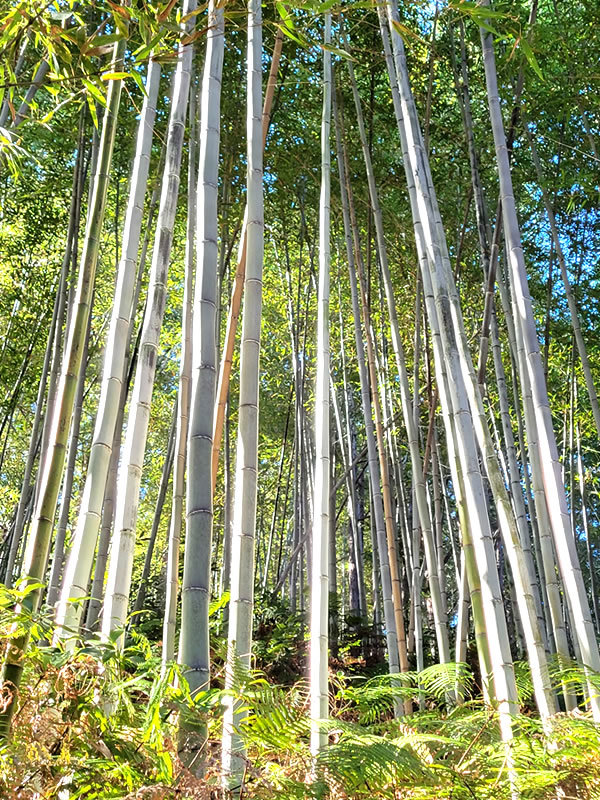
point(100, 723)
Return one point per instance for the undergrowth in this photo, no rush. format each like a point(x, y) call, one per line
point(99, 722)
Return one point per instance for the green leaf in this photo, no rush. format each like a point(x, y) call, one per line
point(407, 33)
point(95, 92)
point(138, 79)
point(285, 15)
point(114, 76)
point(530, 56)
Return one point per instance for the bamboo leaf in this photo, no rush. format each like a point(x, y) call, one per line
point(530, 56)
point(407, 33)
point(94, 91)
point(115, 76)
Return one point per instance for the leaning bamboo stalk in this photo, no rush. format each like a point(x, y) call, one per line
point(38, 545)
point(551, 469)
point(447, 304)
point(431, 241)
point(539, 507)
point(226, 361)
point(108, 506)
point(474, 581)
point(123, 540)
point(183, 396)
point(81, 556)
point(488, 258)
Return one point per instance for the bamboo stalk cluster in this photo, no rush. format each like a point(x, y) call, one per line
point(474, 487)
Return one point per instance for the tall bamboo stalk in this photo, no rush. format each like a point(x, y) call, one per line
point(123, 540)
point(239, 637)
point(183, 395)
point(434, 270)
point(550, 464)
point(226, 361)
point(319, 620)
point(194, 651)
point(36, 555)
point(81, 556)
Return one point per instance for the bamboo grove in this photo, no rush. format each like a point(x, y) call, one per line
point(299, 311)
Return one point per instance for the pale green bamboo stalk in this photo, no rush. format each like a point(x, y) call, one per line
point(81, 556)
point(319, 618)
point(194, 652)
point(424, 517)
point(244, 515)
point(183, 397)
point(374, 475)
point(120, 563)
point(551, 469)
point(36, 555)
